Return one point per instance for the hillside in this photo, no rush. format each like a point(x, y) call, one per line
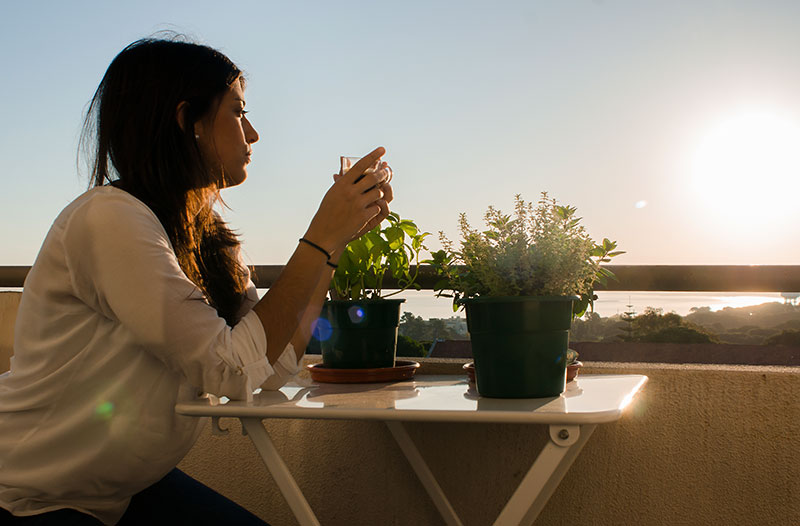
point(768, 323)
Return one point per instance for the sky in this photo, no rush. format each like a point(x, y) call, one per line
point(673, 127)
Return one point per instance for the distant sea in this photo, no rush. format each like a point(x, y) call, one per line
point(426, 305)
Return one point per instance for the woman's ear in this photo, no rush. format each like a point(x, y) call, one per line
point(180, 114)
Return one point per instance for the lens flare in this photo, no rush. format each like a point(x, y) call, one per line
point(104, 411)
point(356, 314)
point(321, 329)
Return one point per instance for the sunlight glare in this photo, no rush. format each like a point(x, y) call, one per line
point(746, 168)
point(741, 301)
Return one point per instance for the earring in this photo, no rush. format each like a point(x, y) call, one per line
point(196, 136)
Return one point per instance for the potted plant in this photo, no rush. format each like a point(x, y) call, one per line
point(522, 281)
point(573, 364)
point(360, 322)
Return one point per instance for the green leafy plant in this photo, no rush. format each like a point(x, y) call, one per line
point(541, 250)
point(378, 253)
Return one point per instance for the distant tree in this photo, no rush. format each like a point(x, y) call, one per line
point(594, 328)
point(762, 332)
point(744, 329)
point(409, 347)
point(438, 329)
point(654, 320)
point(790, 324)
point(655, 326)
point(787, 337)
point(414, 327)
point(752, 325)
point(582, 329)
point(679, 334)
point(627, 326)
point(427, 330)
point(739, 338)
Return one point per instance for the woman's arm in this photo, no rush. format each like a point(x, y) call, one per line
point(295, 297)
point(304, 331)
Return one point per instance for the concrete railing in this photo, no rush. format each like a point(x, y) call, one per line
point(699, 278)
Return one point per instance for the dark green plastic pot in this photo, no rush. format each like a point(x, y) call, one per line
point(363, 333)
point(520, 344)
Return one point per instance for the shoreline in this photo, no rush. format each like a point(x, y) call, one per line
point(610, 303)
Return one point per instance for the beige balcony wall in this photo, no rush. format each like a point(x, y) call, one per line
point(701, 445)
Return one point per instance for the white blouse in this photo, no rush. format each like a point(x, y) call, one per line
point(110, 334)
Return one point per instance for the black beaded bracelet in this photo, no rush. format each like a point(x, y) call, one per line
point(311, 243)
point(332, 265)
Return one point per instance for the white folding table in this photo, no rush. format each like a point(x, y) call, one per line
point(571, 417)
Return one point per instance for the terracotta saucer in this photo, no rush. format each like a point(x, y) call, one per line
point(402, 370)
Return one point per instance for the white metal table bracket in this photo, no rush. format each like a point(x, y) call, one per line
point(424, 473)
point(530, 497)
point(216, 429)
point(283, 478)
point(533, 492)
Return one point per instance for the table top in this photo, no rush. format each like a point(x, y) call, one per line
point(589, 399)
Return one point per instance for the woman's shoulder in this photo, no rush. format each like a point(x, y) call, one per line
point(107, 206)
point(111, 197)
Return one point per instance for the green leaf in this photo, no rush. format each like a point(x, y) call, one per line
point(359, 249)
point(370, 281)
point(355, 292)
point(604, 272)
point(598, 252)
point(345, 264)
point(408, 227)
point(396, 263)
point(395, 236)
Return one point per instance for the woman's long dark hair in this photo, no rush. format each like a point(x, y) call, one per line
point(139, 146)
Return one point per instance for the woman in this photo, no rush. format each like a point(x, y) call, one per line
point(138, 300)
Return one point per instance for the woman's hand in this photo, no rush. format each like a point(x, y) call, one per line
point(351, 208)
point(383, 204)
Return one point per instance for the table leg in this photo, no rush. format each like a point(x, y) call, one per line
point(277, 468)
point(424, 473)
point(566, 442)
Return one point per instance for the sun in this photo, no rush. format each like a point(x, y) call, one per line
point(746, 168)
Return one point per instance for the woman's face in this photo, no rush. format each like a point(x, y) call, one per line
point(228, 143)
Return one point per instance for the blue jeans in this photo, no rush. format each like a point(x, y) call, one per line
point(175, 499)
